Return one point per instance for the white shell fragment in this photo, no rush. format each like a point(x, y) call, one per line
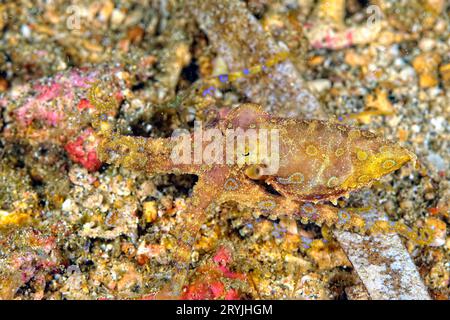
point(384, 266)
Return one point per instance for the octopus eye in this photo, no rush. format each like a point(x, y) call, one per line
point(254, 172)
point(296, 178)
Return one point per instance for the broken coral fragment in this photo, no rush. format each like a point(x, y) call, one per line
point(326, 28)
point(215, 280)
point(426, 65)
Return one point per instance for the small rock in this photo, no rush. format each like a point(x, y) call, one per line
point(26, 31)
point(135, 34)
point(150, 211)
point(427, 44)
point(407, 74)
point(319, 85)
point(426, 66)
point(316, 61)
point(68, 205)
point(445, 73)
point(117, 18)
point(439, 124)
point(440, 230)
point(356, 60)
point(3, 85)
point(106, 10)
point(437, 162)
point(406, 204)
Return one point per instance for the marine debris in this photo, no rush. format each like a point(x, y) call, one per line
point(387, 272)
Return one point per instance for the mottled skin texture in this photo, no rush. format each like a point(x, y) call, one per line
point(331, 159)
point(319, 161)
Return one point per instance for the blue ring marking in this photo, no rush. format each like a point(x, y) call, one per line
point(428, 237)
point(369, 221)
point(277, 233)
point(307, 242)
point(343, 220)
point(235, 184)
point(208, 91)
point(289, 180)
point(262, 206)
point(311, 214)
point(223, 78)
point(392, 225)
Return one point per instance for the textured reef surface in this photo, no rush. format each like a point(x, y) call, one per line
point(120, 177)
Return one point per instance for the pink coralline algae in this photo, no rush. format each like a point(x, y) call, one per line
point(57, 111)
point(82, 150)
point(40, 106)
point(23, 265)
point(212, 284)
point(84, 104)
